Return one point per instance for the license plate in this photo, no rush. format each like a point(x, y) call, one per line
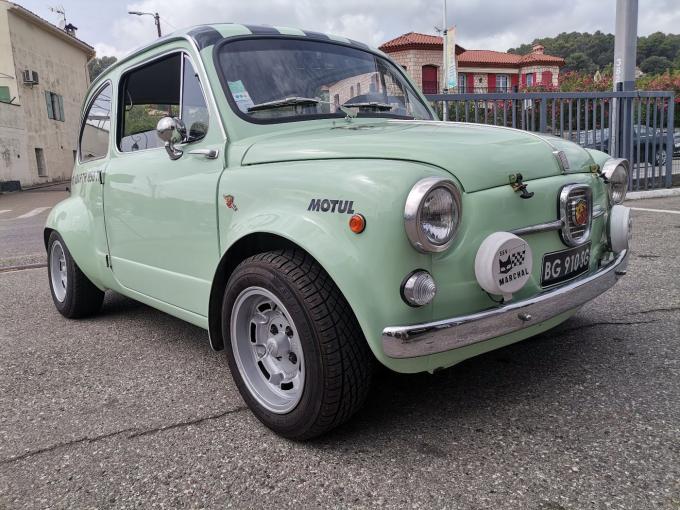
point(560, 266)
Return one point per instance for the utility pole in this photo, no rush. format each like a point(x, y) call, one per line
point(625, 52)
point(156, 18)
point(445, 67)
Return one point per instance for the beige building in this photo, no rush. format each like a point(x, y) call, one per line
point(421, 55)
point(43, 80)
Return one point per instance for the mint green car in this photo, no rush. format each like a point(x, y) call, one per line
point(293, 194)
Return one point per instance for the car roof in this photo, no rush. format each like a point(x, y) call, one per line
point(204, 36)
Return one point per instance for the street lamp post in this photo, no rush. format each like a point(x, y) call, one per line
point(445, 67)
point(156, 18)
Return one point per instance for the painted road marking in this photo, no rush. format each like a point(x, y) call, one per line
point(2, 211)
point(655, 210)
point(34, 212)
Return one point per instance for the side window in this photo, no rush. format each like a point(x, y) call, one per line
point(94, 137)
point(166, 87)
point(147, 95)
point(194, 110)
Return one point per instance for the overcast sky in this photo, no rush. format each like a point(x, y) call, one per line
point(481, 24)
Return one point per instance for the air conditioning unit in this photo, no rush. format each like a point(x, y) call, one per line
point(30, 77)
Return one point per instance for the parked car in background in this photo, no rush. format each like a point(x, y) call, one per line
point(649, 144)
point(293, 194)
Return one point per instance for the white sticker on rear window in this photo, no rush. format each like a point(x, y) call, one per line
point(241, 96)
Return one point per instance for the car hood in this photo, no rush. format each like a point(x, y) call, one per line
point(479, 156)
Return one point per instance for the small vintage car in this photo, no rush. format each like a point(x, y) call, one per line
point(293, 194)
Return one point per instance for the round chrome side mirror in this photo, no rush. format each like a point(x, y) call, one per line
point(171, 130)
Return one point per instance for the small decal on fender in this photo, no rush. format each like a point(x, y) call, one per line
point(229, 202)
point(327, 205)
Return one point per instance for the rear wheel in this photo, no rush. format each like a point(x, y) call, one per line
point(73, 293)
point(294, 347)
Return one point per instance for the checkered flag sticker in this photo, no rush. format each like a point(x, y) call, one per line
point(518, 258)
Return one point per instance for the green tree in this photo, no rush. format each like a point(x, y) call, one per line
point(599, 48)
point(97, 65)
point(655, 65)
point(580, 62)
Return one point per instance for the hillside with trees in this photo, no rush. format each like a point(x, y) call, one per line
point(587, 53)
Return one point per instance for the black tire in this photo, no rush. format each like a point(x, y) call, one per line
point(82, 298)
point(337, 359)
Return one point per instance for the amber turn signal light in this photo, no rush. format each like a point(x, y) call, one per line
point(357, 223)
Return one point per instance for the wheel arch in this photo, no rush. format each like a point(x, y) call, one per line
point(247, 246)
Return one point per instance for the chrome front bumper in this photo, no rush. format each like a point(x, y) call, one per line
point(448, 334)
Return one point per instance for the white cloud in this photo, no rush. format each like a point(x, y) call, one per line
point(487, 24)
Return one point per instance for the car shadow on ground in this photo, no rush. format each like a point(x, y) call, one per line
point(469, 397)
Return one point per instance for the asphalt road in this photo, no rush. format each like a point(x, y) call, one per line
point(22, 219)
point(133, 409)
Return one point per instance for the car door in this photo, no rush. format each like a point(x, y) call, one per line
point(160, 214)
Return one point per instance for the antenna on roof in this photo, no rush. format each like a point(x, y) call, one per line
point(59, 9)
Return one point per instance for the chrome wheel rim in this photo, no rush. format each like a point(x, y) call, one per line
point(661, 157)
point(267, 350)
point(58, 273)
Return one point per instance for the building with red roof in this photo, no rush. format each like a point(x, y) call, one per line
point(478, 70)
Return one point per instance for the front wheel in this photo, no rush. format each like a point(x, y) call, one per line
point(294, 347)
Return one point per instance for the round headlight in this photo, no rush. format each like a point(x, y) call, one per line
point(432, 214)
point(616, 173)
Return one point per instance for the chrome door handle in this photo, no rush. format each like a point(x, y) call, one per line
point(207, 153)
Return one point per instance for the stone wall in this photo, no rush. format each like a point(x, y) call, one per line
point(538, 69)
point(13, 152)
point(414, 60)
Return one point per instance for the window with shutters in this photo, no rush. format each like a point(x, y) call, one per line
point(4, 94)
point(502, 83)
point(430, 79)
point(462, 82)
point(55, 106)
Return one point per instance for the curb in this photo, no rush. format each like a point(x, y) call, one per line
point(654, 193)
point(8, 269)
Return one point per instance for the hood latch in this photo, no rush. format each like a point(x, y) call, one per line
point(519, 187)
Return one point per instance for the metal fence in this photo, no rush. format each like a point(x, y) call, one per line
point(643, 124)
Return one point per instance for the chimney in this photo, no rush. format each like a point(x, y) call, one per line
point(70, 29)
point(537, 48)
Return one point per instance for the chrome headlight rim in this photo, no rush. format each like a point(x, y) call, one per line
point(608, 171)
point(413, 212)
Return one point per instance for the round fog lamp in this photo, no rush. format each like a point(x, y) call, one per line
point(620, 228)
point(419, 288)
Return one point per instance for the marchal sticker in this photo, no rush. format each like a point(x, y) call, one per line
point(512, 265)
point(503, 264)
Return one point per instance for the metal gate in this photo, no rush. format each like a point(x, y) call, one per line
point(642, 132)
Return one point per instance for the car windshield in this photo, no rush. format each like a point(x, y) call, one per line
point(275, 80)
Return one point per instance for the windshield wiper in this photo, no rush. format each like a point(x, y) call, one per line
point(281, 103)
point(370, 104)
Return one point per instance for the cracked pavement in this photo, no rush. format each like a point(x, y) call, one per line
point(132, 409)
